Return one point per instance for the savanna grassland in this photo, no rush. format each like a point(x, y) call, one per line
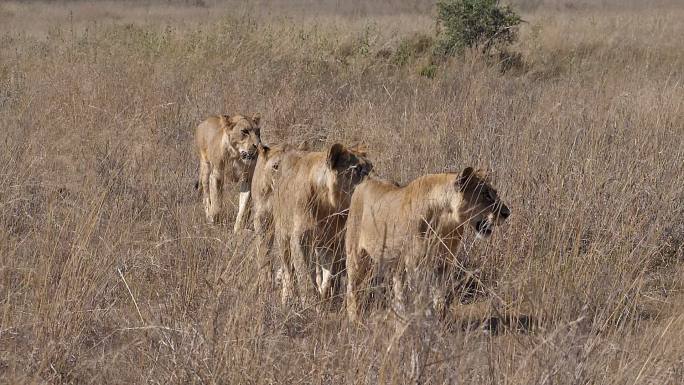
point(109, 273)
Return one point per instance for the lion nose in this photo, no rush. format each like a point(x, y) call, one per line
point(505, 212)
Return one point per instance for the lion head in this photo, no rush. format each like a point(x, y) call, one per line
point(481, 206)
point(348, 167)
point(242, 135)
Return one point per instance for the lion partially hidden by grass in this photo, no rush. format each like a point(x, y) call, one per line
point(310, 198)
point(263, 182)
point(414, 229)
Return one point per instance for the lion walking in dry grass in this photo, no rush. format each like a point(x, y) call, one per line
point(415, 228)
point(311, 196)
point(226, 144)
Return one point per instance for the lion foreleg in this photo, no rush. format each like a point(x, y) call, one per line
point(301, 267)
point(204, 171)
point(242, 206)
point(398, 286)
point(325, 261)
point(441, 289)
point(215, 194)
point(287, 269)
point(263, 229)
point(358, 266)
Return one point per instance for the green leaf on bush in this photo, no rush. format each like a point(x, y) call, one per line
point(475, 23)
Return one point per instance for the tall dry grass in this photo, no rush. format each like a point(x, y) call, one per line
point(108, 273)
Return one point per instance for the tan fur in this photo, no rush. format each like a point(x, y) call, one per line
point(265, 173)
point(311, 195)
point(227, 146)
point(415, 228)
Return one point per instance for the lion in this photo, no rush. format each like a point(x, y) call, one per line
point(310, 199)
point(415, 228)
point(226, 144)
point(263, 179)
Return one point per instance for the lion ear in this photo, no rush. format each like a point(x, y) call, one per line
point(482, 174)
point(361, 149)
point(256, 118)
point(464, 179)
point(227, 122)
point(263, 149)
point(335, 155)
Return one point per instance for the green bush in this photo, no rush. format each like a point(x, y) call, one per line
point(475, 23)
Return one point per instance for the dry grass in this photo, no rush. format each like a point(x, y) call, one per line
point(108, 273)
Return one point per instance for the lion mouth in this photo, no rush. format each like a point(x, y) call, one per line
point(484, 229)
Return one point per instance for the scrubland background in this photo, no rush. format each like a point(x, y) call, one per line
point(108, 273)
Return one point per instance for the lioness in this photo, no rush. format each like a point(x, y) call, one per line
point(226, 141)
point(265, 173)
point(399, 226)
point(311, 196)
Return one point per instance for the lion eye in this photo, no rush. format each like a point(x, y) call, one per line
point(245, 132)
